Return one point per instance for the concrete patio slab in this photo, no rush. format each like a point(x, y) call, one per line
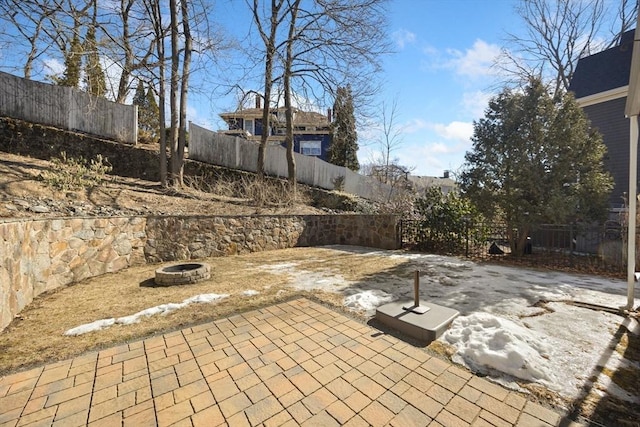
point(425, 326)
point(295, 363)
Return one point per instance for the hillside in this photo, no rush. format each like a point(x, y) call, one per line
point(24, 193)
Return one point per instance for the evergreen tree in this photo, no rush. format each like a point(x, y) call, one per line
point(139, 97)
point(344, 141)
point(536, 160)
point(152, 115)
point(94, 76)
point(148, 114)
point(72, 64)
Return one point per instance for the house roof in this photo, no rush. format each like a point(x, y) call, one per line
point(245, 113)
point(300, 117)
point(633, 99)
point(423, 182)
point(605, 70)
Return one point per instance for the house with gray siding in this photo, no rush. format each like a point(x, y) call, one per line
point(601, 84)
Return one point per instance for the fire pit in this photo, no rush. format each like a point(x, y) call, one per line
point(181, 274)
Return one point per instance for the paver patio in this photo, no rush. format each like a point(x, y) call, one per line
point(295, 363)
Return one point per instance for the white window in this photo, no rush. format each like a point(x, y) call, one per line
point(249, 126)
point(311, 148)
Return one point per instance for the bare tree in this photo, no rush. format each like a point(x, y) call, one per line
point(339, 43)
point(131, 42)
point(319, 46)
point(28, 19)
point(154, 11)
point(177, 153)
point(625, 20)
point(390, 140)
point(557, 34)
point(268, 37)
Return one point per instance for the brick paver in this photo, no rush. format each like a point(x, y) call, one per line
point(294, 363)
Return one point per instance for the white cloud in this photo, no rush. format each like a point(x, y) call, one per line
point(475, 103)
point(459, 131)
point(428, 148)
point(476, 61)
point(430, 50)
point(440, 148)
point(53, 67)
point(414, 125)
point(403, 37)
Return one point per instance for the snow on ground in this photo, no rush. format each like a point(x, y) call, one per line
point(513, 322)
point(163, 309)
point(306, 280)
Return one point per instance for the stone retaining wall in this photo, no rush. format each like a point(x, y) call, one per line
point(43, 254)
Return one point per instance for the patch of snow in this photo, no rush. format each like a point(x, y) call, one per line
point(91, 327)
point(250, 293)
point(367, 300)
point(204, 298)
point(306, 280)
point(162, 309)
point(483, 341)
point(280, 267)
point(514, 322)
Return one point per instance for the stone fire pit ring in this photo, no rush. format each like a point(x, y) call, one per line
point(182, 274)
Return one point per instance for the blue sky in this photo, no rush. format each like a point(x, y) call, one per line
point(439, 74)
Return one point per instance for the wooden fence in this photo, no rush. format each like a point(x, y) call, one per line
point(67, 108)
point(238, 153)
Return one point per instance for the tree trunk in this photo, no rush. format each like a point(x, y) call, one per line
point(268, 72)
point(519, 244)
point(123, 84)
point(184, 89)
point(291, 161)
point(173, 94)
point(159, 33)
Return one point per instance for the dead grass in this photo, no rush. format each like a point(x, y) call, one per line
point(36, 336)
point(19, 179)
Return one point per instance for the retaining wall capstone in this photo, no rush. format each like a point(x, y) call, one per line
point(39, 255)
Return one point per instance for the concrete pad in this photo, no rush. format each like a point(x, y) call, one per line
point(427, 326)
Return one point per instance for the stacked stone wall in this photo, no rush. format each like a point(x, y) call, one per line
point(43, 254)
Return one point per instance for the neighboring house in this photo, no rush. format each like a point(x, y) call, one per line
point(600, 84)
point(311, 130)
point(422, 183)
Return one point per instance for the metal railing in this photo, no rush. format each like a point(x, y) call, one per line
point(567, 246)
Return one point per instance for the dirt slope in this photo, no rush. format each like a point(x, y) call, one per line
point(23, 193)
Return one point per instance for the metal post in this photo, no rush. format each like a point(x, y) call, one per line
point(416, 307)
point(416, 288)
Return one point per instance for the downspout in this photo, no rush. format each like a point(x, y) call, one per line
point(633, 200)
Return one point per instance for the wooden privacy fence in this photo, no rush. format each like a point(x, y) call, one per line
point(238, 153)
point(67, 108)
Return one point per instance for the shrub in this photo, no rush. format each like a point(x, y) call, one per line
point(69, 173)
point(443, 221)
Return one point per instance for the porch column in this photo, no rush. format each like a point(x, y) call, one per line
point(631, 232)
